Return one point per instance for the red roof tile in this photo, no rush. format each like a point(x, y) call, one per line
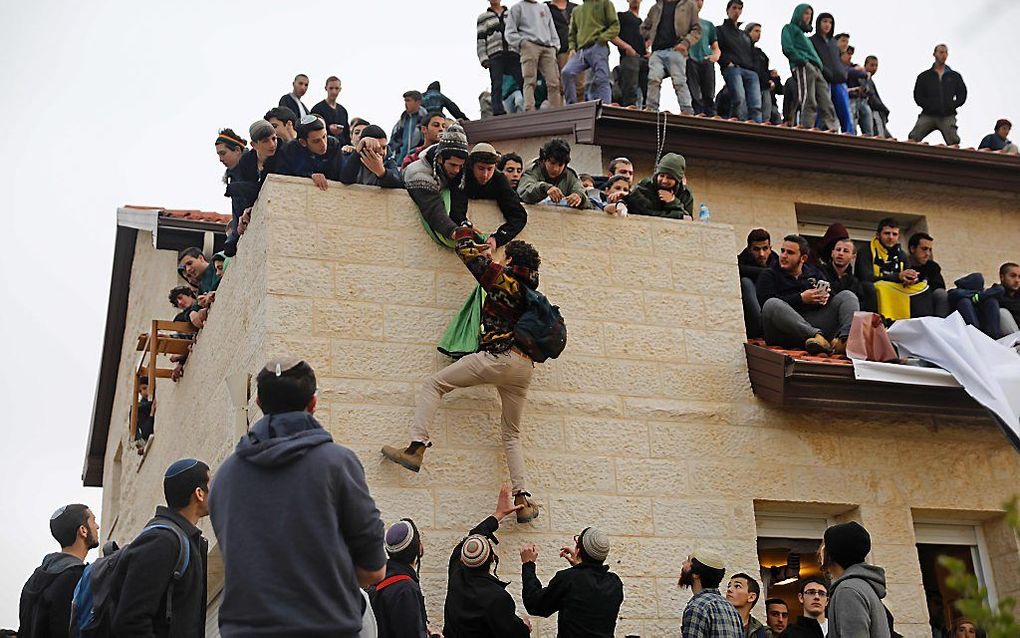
point(197, 215)
point(802, 355)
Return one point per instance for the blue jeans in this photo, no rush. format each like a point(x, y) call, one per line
point(745, 92)
point(674, 64)
point(596, 58)
point(841, 100)
point(863, 115)
point(984, 315)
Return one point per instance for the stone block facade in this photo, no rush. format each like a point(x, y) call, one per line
point(646, 426)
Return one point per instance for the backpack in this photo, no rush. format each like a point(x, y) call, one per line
point(541, 332)
point(95, 598)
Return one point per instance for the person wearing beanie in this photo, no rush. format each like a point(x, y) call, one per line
point(439, 169)
point(298, 529)
point(477, 602)
point(551, 180)
point(665, 193)
point(587, 595)
point(998, 140)
point(708, 614)
point(151, 557)
point(855, 596)
point(432, 128)
point(483, 181)
point(397, 600)
point(369, 163)
point(45, 606)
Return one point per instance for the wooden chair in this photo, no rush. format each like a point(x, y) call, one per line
point(160, 340)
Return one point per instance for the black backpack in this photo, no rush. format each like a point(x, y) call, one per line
point(98, 592)
point(541, 332)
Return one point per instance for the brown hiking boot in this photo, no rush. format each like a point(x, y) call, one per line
point(530, 510)
point(838, 346)
point(410, 458)
point(818, 345)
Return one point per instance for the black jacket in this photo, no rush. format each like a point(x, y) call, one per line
point(735, 47)
point(803, 627)
point(940, 96)
point(773, 282)
point(587, 596)
point(288, 101)
point(932, 273)
point(863, 290)
point(334, 116)
point(148, 565)
point(498, 189)
point(865, 265)
point(400, 608)
point(749, 267)
point(832, 67)
point(348, 169)
point(45, 607)
point(1011, 303)
point(761, 67)
point(477, 603)
point(298, 161)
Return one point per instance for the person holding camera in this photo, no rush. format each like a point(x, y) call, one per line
point(797, 307)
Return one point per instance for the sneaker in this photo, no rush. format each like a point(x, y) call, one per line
point(818, 345)
point(410, 458)
point(838, 346)
point(530, 510)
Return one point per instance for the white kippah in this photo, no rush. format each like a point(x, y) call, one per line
point(595, 543)
point(475, 551)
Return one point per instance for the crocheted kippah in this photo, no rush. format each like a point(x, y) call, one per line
point(399, 537)
point(475, 551)
point(595, 543)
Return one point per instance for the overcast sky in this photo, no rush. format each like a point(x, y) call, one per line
point(109, 103)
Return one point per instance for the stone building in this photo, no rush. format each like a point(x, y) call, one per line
point(647, 426)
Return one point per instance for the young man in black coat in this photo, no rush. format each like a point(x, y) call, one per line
point(477, 603)
point(939, 91)
point(752, 261)
point(397, 600)
point(149, 562)
point(45, 607)
point(483, 181)
point(586, 595)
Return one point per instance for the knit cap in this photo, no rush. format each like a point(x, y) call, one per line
point(260, 130)
point(476, 551)
point(847, 544)
point(672, 164)
point(595, 543)
point(454, 141)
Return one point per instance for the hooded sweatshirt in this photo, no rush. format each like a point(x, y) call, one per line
point(45, 608)
point(796, 45)
point(594, 22)
point(434, 100)
point(531, 21)
point(294, 518)
point(644, 198)
point(825, 45)
point(855, 604)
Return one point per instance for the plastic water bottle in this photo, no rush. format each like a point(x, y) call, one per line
point(703, 213)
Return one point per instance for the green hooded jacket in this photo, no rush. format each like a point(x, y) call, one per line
point(796, 45)
point(644, 199)
point(594, 22)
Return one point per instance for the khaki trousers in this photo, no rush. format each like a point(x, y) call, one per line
point(536, 59)
point(510, 372)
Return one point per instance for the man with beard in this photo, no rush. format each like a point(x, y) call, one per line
point(840, 272)
point(708, 614)
point(292, 100)
point(45, 609)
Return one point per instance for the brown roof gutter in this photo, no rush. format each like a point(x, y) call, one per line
point(761, 145)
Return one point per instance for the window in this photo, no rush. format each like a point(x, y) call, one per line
point(963, 541)
point(814, 219)
point(113, 484)
point(788, 551)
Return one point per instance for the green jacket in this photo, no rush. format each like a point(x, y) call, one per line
point(594, 22)
point(535, 185)
point(644, 198)
point(796, 45)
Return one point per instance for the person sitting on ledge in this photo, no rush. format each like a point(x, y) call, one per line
point(840, 272)
point(796, 308)
point(511, 165)
point(884, 263)
point(437, 172)
point(551, 180)
point(752, 261)
point(1009, 304)
point(664, 194)
point(369, 165)
point(483, 181)
point(999, 139)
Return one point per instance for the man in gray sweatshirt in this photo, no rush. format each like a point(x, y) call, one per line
point(531, 33)
point(855, 597)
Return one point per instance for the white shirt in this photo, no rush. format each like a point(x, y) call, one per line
point(825, 627)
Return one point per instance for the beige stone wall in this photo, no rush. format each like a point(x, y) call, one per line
point(645, 427)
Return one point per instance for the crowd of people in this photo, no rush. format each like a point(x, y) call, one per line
point(331, 567)
point(545, 54)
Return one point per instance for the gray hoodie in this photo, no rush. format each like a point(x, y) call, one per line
point(855, 604)
point(293, 518)
point(530, 21)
